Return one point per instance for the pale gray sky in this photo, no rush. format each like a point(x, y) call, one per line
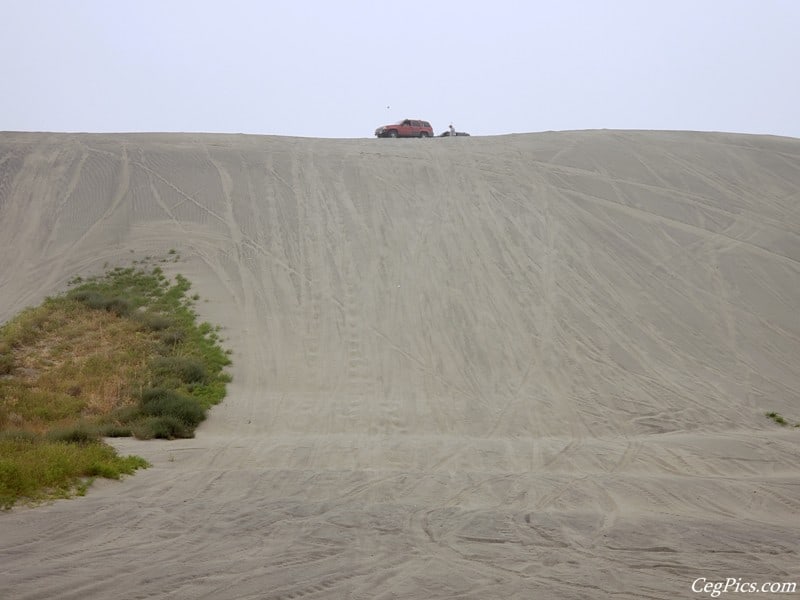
point(321, 68)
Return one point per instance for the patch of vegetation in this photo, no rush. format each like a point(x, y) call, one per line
point(37, 469)
point(779, 419)
point(118, 355)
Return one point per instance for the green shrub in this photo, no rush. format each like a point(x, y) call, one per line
point(100, 469)
point(162, 402)
point(186, 369)
point(165, 427)
point(90, 298)
point(154, 321)
point(211, 393)
point(77, 434)
point(124, 415)
point(777, 418)
point(120, 422)
point(118, 305)
point(172, 337)
point(113, 430)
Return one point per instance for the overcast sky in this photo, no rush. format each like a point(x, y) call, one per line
point(324, 68)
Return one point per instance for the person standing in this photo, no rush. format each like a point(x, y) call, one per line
point(452, 130)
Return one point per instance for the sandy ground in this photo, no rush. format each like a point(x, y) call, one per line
point(528, 366)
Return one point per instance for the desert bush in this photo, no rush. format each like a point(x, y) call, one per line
point(80, 433)
point(777, 418)
point(100, 469)
point(91, 298)
point(162, 402)
point(115, 430)
point(118, 305)
point(172, 337)
point(153, 321)
point(124, 415)
point(165, 427)
point(184, 368)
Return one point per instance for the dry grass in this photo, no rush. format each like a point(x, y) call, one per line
point(82, 363)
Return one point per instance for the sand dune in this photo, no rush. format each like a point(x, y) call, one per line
point(528, 366)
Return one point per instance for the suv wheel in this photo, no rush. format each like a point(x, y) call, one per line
point(423, 134)
point(393, 133)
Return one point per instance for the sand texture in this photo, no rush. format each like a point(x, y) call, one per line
point(517, 367)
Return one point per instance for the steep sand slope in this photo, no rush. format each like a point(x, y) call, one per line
point(509, 367)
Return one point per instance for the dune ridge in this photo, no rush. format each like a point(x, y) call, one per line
point(469, 367)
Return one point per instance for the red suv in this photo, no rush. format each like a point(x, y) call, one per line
point(406, 128)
